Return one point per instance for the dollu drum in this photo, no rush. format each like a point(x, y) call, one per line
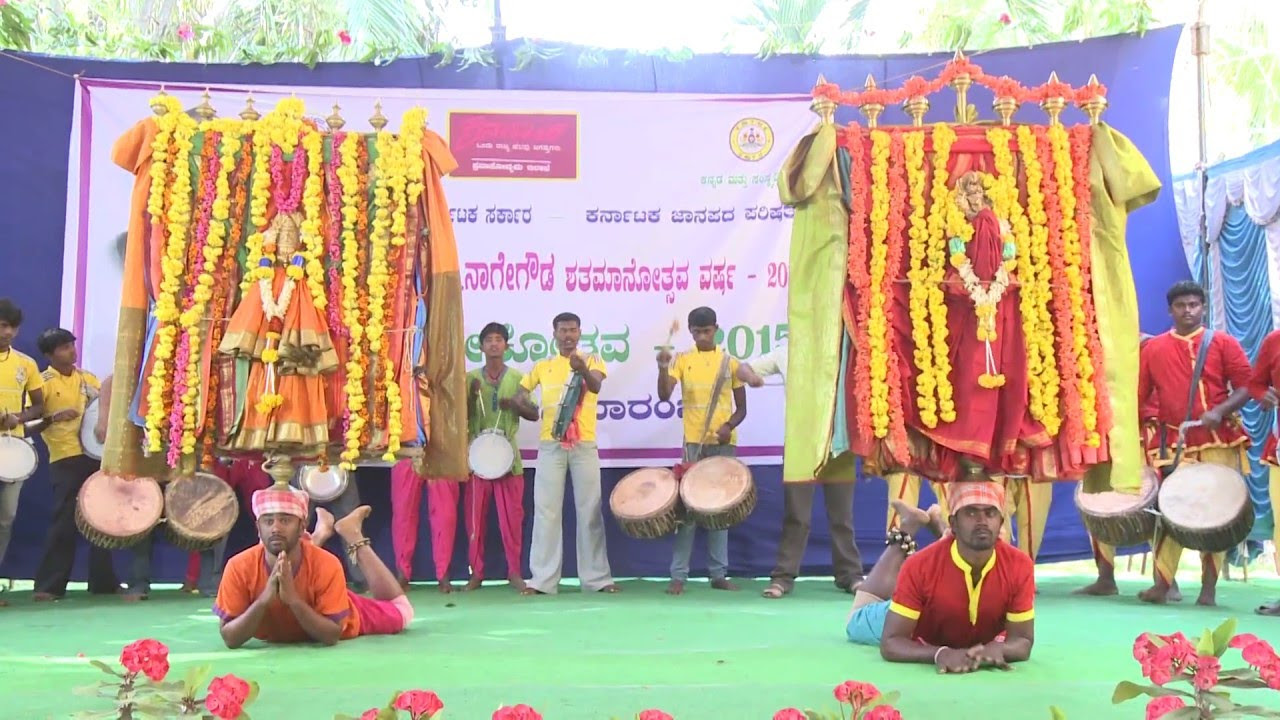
point(646, 503)
point(718, 492)
point(1206, 507)
point(491, 455)
point(199, 510)
point(1121, 519)
point(116, 512)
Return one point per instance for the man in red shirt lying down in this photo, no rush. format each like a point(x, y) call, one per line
point(965, 602)
point(289, 589)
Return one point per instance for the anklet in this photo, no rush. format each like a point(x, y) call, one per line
point(353, 547)
point(902, 540)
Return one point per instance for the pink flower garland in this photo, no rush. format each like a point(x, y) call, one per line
point(182, 356)
point(333, 231)
point(297, 174)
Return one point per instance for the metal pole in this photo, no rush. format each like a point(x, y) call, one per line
point(1200, 48)
point(499, 45)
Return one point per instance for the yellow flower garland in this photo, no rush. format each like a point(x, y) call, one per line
point(176, 225)
point(1038, 276)
point(388, 226)
point(918, 280)
point(312, 204)
point(349, 174)
point(1038, 338)
point(412, 130)
point(935, 250)
point(878, 330)
point(1060, 146)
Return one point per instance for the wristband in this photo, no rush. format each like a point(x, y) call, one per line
point(936, 654)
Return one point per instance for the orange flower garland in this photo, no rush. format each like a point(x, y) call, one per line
point(918, 274)
point(897, 436)
point(859, 277)
point(1037, 277)
point(1081, 143)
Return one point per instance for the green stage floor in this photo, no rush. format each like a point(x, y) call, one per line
point(705, 655)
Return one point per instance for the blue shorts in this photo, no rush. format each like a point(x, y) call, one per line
point(867, 623)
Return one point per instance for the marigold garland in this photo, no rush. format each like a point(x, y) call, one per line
point(1036, 276)
point(312, 204)
point(897, 439)
point(935, 252)
point(351, 175)
point(1081, 143)
point(175, 225)
point(918, 274)
point(859, 277)
point(1073, 426)
point(878, 330)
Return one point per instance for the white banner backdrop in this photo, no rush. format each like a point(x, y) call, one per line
point(627, 209)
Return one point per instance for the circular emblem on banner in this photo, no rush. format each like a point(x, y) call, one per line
point(751, 139)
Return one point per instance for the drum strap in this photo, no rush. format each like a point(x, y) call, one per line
point(1196, 373)
point(722, 376)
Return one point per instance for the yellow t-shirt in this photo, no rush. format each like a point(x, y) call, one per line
point(696, 372)
point(552, 374)
point(66, 392)
point(19, 375)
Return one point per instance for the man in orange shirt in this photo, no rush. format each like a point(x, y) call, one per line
point(963, 603)
point(287, 589)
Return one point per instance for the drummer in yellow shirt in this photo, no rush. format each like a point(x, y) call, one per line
point(708, 378)
point(21, 400)
point(68, 390)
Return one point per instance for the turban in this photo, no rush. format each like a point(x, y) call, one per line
point(964, 494)
point(283, 502)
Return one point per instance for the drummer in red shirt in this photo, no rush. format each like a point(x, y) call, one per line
point(1264, 387)
point(963, 603)
point(288, 589)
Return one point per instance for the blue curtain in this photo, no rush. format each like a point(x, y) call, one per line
point(1246, 289)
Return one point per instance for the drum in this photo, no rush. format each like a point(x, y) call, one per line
point(199, 511)
point(1121, 519)
point(88, 440)
point(18, 459)
point(324, 483)
point(718, 492)
point(646, 503)
point(116, 512)
point(1206, 507)
point(491, 455)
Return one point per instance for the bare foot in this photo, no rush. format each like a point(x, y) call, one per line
point(1100, 587)
point(1174, 594)
point(723, 584)
point(474, 583)
point(445, 588)
point(531, 591)
point(1207, 598)
point(324, 527)
point(610, 589)
point(675, 587)
point(937, 521)
point(133, 597)
point(1156, 594)
point(404, 582)
point(44, 597)
point(518, 583)
point(350, 528)
point(910, 518)
point(187, 587)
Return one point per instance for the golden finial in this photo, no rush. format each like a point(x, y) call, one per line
point(959, 55)
point(823, 107)
point(249, 114)
point(158, 107)
point(335, 121)
point(1053, 106)
point(1095, 103)
point(916, 107)
point(378, 121)
point(1005, 107)
point(871, 110)
point(961, 84)
point(205, 110)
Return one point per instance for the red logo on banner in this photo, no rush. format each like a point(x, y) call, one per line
point(514, 145)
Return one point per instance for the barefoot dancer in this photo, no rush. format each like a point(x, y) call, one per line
point(491, 405)
point(287, 589)
point(1165, 383)
point(708, 380)
point(953, 600)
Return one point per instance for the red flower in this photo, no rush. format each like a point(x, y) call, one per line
point(419, 703)
point(517, 712)
point(654, 714)
point(371, 714)
point(1161, 706)
point(883, 712)
point(855, 693)
point(227, 695)
point(1207, 668)
point(789, 714)
point(1005, 19)
point(149, 657)
point(185, 32)
point(344, 37)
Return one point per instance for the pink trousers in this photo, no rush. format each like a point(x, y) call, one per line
point(246, 477)
point(442, 516)
point(508, 492)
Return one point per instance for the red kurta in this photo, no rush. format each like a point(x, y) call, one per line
point(1266, 374)
point(1164, 384)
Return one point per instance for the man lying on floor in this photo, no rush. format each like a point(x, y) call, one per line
point(965, 602)
point(288, 588)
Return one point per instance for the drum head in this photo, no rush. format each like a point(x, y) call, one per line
point(1113, 502)
point(88, 440)
point(120, 507)
point(1203, 496)
point(715, 484)
point(644, 494)
point(18, 459)
point(201, 506)
point(491, 455)
point(324, 484)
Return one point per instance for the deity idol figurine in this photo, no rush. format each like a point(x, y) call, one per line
point(284, 340)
